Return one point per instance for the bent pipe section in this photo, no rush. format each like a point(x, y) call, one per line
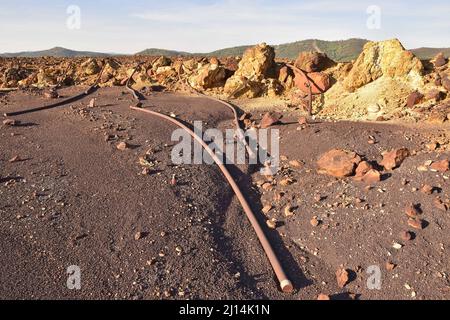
point(236, 119)
point(77, 97)
point(285, 283)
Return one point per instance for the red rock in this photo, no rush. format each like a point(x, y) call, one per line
point(435, 94)
point(122, 146)
point(414, 98)
point(372, 176)
point(394, 158)
point(441, 166)
point(439, 204)
point(415, 223)
point(315, 222)
point(268, 120)
point(303, 120)
point(446, 83)
point(342, 277)
point(52, 94)
point(338, 163)
point(390, 266)
point(323, 297)
point(363, 168)
point(439, 60)
point(427, 189)
point(320, 82)
point(313, 61)
point(412, 211)
point(406, 235)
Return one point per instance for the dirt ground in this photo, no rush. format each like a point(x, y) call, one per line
point(73, 198)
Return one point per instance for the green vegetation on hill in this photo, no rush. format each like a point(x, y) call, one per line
point(162, 52)
point(340, 51)
point(428, 53)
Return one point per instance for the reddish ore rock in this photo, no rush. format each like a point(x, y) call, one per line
point(441, 166)
point(394, 158)
point(414, 98)
point(268, 120)
point(338, 163)
point(342, 277)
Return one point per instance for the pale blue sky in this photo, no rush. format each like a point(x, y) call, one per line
point(200, 26)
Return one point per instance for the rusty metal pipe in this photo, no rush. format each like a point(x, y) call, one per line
point(236, 119)
point(285, 283)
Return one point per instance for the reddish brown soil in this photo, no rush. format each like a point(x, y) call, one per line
point(77, 200)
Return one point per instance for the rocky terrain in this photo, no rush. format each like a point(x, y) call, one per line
point(364, 181)
point(386, 82)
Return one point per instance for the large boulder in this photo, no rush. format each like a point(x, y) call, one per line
point(209, 76)
point(313, 61)
point(338, 163)
point(239, 86)
point(386, 58)
point(162, 61)
point(90, 67)
point(257, 63)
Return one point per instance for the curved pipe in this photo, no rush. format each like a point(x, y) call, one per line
point(236, 119)
point(285, 283)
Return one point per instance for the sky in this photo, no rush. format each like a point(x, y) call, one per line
point(201, 26)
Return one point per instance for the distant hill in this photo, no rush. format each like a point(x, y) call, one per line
point(54, 52)
point(162, 52)
point(428, 53)
point(342, 50)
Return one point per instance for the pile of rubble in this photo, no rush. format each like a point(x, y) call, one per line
point(385, 82)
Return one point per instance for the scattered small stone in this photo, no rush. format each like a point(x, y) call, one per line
point(412, 210)
point(390, 266)
point(139, 235)
point(268, 120)
point(14, 159)
point(397, 246)
point(342, 277)
point(10, 122)
point(439, 204)
point(432, 146)
point(440, 166)
point(323, 297)
point(393, 159)
point(272, 223)
point(288, 211)
point(52, 94)
point(267, 208)
point(422, 168)
point(295, 164)
point(315, 222)
point(415, 223)
point(427, 189)
point(92, 103)
point(122, 146)
point(286, 182)
point(303, 120)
